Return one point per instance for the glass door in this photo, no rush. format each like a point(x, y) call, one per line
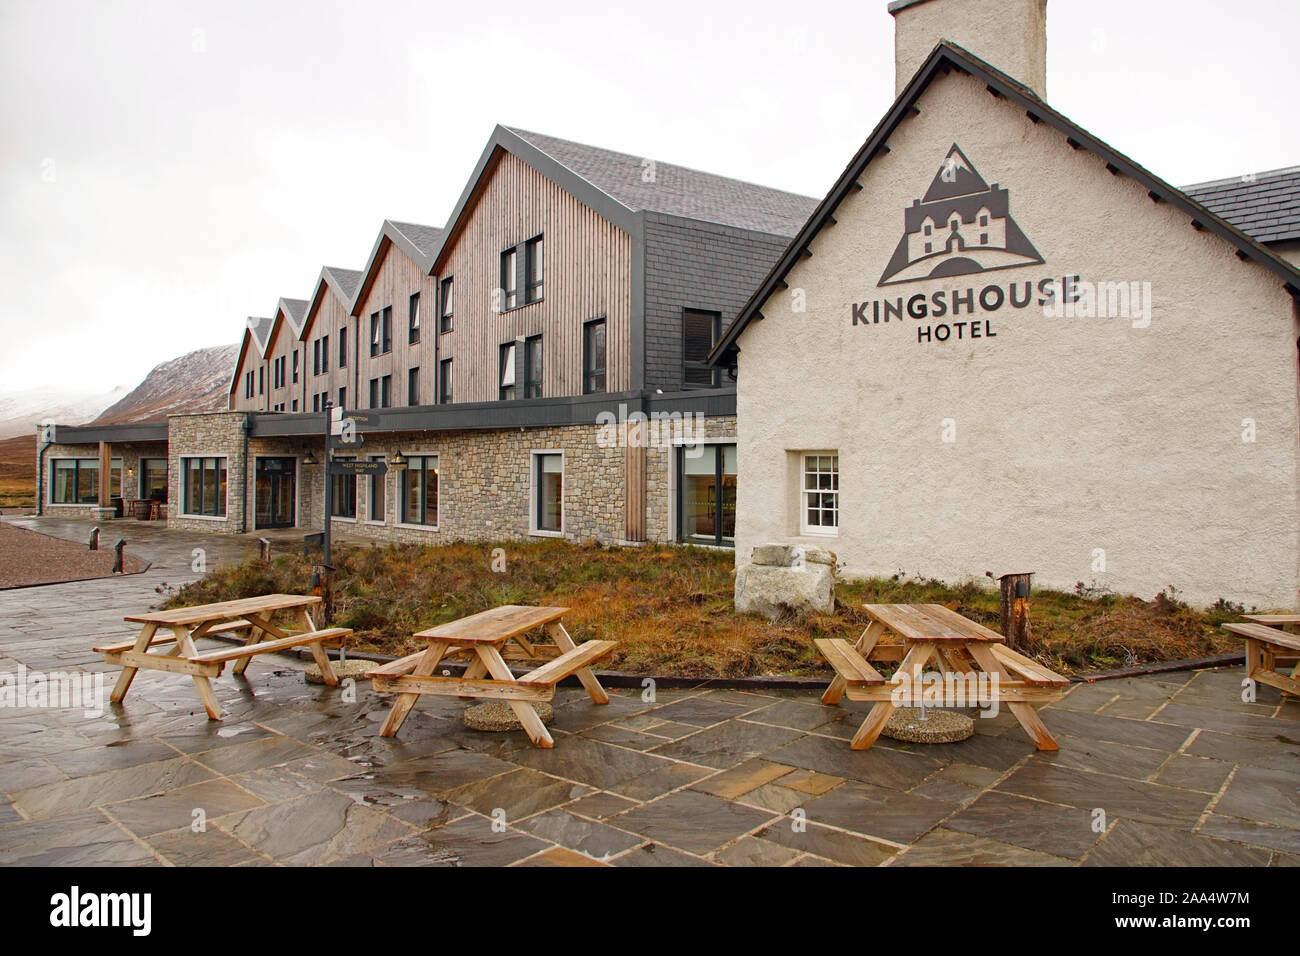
point(276, 482)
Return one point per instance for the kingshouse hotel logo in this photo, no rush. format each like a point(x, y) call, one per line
point(961, 226)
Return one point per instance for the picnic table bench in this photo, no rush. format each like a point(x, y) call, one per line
point(1268, 646)
point(956, 645)
point(183, 626)
point(490, 639)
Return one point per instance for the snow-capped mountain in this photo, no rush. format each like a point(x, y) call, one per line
point(21, 412)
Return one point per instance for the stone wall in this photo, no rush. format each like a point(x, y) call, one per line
point(218, 434)
point(661, 478)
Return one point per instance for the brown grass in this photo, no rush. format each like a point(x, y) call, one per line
point(670, 608)
point(18, 472)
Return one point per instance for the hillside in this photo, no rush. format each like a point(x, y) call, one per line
point(18, 472)
point(196, 382)
point(21, 412)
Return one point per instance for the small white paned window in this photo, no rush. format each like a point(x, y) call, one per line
point(821, 494)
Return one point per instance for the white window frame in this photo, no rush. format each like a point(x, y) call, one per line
point(804, 491)
point(180, 487)
point(533, 465)
point(399, 496)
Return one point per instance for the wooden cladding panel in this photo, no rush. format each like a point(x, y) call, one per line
point(587, 275)
point(397, 278)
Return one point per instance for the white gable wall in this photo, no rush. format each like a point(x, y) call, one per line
point(1073, 436)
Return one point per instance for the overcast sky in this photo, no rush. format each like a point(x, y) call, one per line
point(168, 168)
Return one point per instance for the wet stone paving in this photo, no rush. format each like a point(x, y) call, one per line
point(1173, 769)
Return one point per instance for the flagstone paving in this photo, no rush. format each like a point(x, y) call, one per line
point(1168, 770)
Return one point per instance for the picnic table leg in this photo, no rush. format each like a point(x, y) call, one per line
point(327, 674)
point(128, 673)
point(402, 706)
point(1023, 712)
point(532, 724)
point(866, 642)
point(565, 643)
point(911, 667)
point(255, 635)
point(204, 686)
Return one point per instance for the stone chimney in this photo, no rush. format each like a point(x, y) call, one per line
point(1009, 34)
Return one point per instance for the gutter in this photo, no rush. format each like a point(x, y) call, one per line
point(40, 472)
point(243, 515)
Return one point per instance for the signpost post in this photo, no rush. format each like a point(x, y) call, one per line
point(341, 430)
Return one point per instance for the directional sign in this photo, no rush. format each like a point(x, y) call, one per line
point(358, 468)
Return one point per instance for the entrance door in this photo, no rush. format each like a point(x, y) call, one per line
point(276, 481)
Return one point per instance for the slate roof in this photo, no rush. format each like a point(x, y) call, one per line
point(347, 281)
point(424, 238)
point(1265, 206)
point(295, 310)
point(677, 190)
point(260, 326)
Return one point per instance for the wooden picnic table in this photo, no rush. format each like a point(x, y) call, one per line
point(957, 646)
point(1268, 646)
point(188, 624)
point(490, 639)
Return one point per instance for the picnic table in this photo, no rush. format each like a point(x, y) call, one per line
point(957, 646)
point(490, 639)
point(183, 626)
point(1267, 646)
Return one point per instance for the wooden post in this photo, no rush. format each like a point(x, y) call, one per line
point(119, 557)
point(94, 539)
point(1014, 619)
point(105, 475)
point(266, 548)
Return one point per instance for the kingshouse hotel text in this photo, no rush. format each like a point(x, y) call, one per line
point(997, 344)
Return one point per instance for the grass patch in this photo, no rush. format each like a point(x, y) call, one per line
point(670, 608)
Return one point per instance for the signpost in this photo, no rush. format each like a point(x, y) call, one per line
point(340, 430)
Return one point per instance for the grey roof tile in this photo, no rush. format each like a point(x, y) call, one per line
point(1265, 206)
point(677, 190)
point(424, 238)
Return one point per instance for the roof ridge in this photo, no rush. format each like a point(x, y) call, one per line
point(701, 172)
point(1243, 181)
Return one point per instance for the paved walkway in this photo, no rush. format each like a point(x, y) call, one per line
point(1152, 772)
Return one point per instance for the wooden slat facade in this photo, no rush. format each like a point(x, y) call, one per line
point(587, 275)
point(329, 317)
point(396, 278)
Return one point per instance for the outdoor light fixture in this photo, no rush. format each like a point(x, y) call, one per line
point(309, 458)
point(398, 461)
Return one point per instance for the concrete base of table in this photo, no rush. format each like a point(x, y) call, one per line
point(496, 716)
point(350, 668)
point(917, 726)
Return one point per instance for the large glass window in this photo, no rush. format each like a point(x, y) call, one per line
point(76, 481)
point(153, 479)
point(548, 492)
point(593, 357)
point(343, 493)
point(707, 494)
point(699, 334)
point(378, 493)
point(820, 495)
point(420, 490)
point(205, 486)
